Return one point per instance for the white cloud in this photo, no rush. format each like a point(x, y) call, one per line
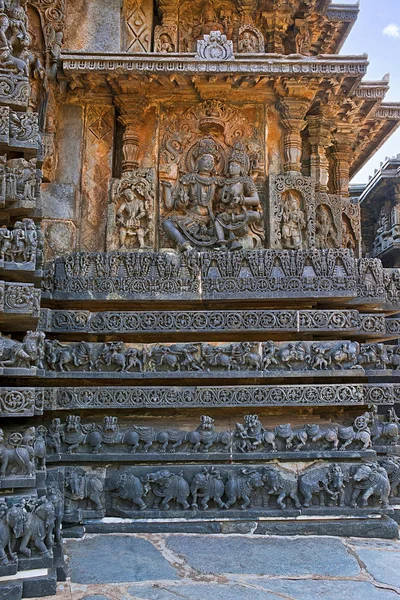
point(392, 31)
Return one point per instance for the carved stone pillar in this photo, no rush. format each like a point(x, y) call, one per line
point(166, 34)
point(292, 111)
point(132, 113)
point(319, 130)
point(341, 153)
point(276, 24)
point(96, 175)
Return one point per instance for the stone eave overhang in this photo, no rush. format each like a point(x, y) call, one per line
point(374, 133)
point(347, 15)
point(388, 172)
point(255, 64)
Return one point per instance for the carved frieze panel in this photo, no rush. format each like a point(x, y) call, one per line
point(257, 274)
point(106, 397)
point(210, 158)
point(205, 360)
point(19, 402)
point(113, 437)
point(19, 130)
point(22, 246)
point(291, 212)
point(131, 213)
point(126, 322)
point(221, 489)
point(19, 298)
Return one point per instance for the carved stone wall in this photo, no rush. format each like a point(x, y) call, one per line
point(199, 261)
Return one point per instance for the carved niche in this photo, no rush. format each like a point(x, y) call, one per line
point(209, 159)
point(351, 226)
point(130, 223)
point(292, 212)
point(250, 40)
point(199, 19)
point(165, 38)
point(337, 223)
point(138, 16)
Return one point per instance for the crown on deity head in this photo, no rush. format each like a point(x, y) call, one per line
point(240, 156)
point(206, 145)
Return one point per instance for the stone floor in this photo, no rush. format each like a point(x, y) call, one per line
point(234, 567)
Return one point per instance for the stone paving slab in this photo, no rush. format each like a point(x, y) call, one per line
point(269, 556)
point(234, 567)
point(114, 559)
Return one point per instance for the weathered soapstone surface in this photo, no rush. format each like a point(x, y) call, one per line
point(163, 227)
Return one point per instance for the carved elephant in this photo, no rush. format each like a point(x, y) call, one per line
point(242, 487)
point(169, 486)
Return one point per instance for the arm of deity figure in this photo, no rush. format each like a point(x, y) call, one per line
point(166, 194)
point(251, 197)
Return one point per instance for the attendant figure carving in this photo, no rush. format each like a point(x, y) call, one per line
point(293, 222)
point(325, 231)
point(130, 216)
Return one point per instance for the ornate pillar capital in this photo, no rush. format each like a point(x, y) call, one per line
point(292, 111)
point(341, 152)
point(132, 111)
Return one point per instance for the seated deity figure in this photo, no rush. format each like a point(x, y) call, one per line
point(240, 196)
point(248, 43)
point(129, 218)
point(194, 196)
point(293, 222)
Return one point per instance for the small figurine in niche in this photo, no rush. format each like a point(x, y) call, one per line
point(325, 231)
point(293, 221)
point(303, 37)
point(247, 43)
point(129, 218)
point(348, 237)
point(165, 44)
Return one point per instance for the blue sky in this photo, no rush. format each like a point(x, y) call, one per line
point(377, 32)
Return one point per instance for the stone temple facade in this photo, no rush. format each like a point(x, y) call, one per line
point(198, 316)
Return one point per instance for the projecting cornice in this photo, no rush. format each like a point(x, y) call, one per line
point(255, 64)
